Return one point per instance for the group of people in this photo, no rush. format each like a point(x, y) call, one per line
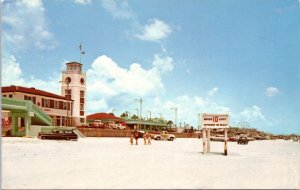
point(135, 135)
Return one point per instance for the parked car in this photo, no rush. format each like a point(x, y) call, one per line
point(163, 136)
point(221, 139)
point(242, 140)
point(58, 135)
point(232, 139)
point(119, 126)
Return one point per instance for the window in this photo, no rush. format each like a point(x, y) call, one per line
point(82, 113)
point(81, 94)
point(61, 105)
point(46, 103)
point(64, 105)
point(56, 104)
point(69, 106)
point(51, 103)
point(82, 81)
point(63, 121)
point(10, 96)
point(68, 80)
point(82, 107)
point(68, 94)
point(32, 98)
point(81, 120)
point(57, 120)
point(4, 95)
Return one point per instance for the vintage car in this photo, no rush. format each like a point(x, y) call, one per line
point(163, 136)
point(56, 134)
point(220, 139)
point(232, 139)
point(242, 140)
point(119, 126)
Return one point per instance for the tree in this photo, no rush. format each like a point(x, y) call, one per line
point(169, 122)
point(135, 117)
point(124, 115)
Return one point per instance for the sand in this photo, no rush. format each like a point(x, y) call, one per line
point(112, 163)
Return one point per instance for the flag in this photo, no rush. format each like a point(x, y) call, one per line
point(81, 49)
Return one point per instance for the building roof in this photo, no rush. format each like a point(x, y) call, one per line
point(102, 115)
point(73, 62)
point(31, 90)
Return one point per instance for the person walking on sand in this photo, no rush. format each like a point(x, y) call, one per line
point(149, 138)
point(136, 136)
point(131, 138)
point(145, 138)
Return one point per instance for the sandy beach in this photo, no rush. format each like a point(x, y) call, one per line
point(112, 163)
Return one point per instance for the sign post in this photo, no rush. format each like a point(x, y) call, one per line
point(213, 121)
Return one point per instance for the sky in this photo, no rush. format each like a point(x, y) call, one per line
point(199, 56)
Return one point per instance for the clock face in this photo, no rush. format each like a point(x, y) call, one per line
point(82, 81)
point(68, 80)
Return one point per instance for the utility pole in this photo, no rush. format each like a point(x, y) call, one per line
point(150, 114)
point(141, 102)
point(175, 109)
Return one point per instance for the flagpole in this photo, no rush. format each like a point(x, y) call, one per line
point(80, 47)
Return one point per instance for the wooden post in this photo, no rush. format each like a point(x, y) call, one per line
point(225, 142)
point(204, 140)
point(208, 140)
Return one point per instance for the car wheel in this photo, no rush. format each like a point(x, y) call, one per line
point(171, 139)
point(157, 138)
point(67, 138)
point(43, 137)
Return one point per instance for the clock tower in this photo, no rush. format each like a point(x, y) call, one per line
point(74, 88)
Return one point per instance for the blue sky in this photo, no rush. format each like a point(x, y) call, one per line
point(236, 57)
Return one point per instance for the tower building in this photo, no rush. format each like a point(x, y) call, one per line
point(74, 88)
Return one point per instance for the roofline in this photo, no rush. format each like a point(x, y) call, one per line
point(38, 92)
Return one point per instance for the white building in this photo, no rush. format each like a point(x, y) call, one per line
point(74, 88)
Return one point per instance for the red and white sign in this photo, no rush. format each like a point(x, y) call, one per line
point(213, 121)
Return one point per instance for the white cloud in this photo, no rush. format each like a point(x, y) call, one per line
point(12, 75)
point(83, 2)
point(9, 66)
point(188, 108)
point(119, 10)
point(163, 64)
point(96, 105)
point(271, 91)
point(155, 31)
point(253, 113)
point(25, 25)
point(213, 91)
point(107, 78)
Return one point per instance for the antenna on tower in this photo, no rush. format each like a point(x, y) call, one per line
point(81, 50)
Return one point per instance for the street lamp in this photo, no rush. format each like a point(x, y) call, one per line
point(67, 95)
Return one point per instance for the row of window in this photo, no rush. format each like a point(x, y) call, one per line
point(49, 103)
point(10, 95)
